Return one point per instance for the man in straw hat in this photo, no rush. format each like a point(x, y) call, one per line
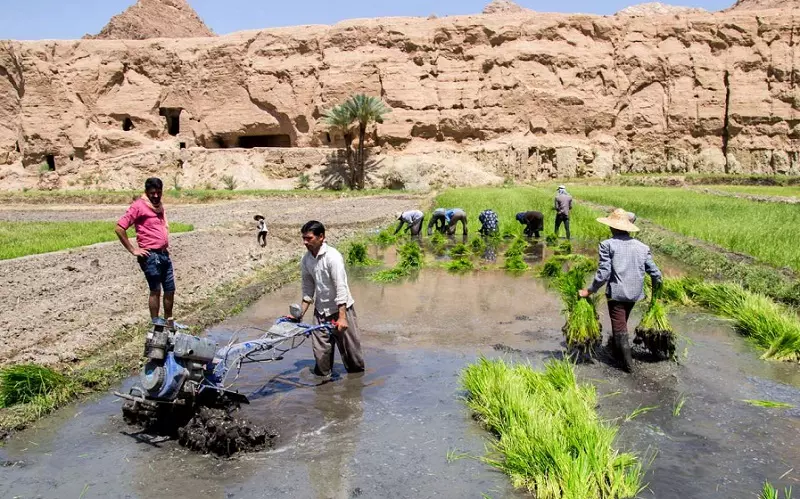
point(562, 205)
point(623, 263)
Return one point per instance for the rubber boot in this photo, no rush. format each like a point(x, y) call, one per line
point(624, 351)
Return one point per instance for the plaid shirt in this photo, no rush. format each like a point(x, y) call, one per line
point(623, 263)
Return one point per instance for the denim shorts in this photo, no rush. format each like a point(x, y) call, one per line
point(157, 268)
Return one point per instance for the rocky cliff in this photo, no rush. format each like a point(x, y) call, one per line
point(520, 94)
point(155, 19)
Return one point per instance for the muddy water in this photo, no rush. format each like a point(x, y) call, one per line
point(387, 432)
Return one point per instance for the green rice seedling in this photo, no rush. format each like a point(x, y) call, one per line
point(639, 411)
point(438, 244)
point(23, 383)
point(478, 245)
point(655, 330)
point(460, 265)
point(453, 456)
point(385, 238)
point(552, 268)
point(550, 439)
point(358, 256)
point(459, 251)
point(515, 264)
point(769, 404)
point(768, 324)
point(410, 258)
point(679, 402)
point(675, 291)
point(551, 239)
point(770, 492)
point(582, 329)
point(564, 248)
point(517, 248)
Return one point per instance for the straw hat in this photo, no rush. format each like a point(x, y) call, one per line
point(258, 217)
point(398, 215)
point(619, 219)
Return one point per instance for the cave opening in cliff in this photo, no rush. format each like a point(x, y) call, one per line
point(127, 124)
point(252, 141)
point(172, 115)
point(51, 162)
point(16, 146)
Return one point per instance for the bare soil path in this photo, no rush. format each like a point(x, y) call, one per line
point(57, 307)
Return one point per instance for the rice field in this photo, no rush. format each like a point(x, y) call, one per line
point(507, 202)
point(758, 190)
point(551, 441)
point(762, 230)
point(30, 238)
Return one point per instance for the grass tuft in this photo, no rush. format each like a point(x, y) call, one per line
point(24, 383)
point(770, 492)
point(551, 442)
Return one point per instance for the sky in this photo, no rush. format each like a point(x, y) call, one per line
point(71, 19)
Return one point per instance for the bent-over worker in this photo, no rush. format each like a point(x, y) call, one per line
point(413, 220)
point(533, 222)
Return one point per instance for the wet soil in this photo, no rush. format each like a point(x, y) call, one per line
point(220, 432)
point(388, 432)
point(58, 307)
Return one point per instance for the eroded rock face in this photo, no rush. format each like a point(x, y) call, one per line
point(528, 96)
point(502, 6)
point(656, 9)
point(155, 19)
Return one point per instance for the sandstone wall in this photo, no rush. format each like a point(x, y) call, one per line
point(551, 95)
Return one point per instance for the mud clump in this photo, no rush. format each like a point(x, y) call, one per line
point(216, 431)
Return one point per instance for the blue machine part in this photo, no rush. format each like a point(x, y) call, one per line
point(166, 379)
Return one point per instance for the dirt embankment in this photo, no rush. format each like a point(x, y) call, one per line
point(58, 307)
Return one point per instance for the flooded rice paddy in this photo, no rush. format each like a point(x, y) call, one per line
point(388, 432)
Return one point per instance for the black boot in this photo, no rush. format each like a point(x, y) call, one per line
point(624, 351)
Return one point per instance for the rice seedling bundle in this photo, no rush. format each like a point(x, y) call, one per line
point(410, 258)
point(438, 244)
point(768, 324)
point(478, 245)
point(385, 238)
point(655, 331)
point(551, 442)
point(357, 255)
point(564, 248)
point(460, 259)
point(582, 329)
point(23, 383)
point(551, 239)
point(552, 268)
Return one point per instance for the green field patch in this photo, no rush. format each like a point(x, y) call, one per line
point(758, 190)
point(30, 238)
point(758, 229)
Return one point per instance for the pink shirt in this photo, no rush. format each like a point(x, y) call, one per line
point(151, 228)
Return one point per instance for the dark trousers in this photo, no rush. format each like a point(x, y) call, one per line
point(348, 342)
point(561, 218)
point(619, 312)
point(533, 229)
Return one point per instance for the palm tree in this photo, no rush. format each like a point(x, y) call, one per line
point(364, 110)
point(340, 118)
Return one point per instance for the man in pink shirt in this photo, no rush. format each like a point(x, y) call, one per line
point(148, 217)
